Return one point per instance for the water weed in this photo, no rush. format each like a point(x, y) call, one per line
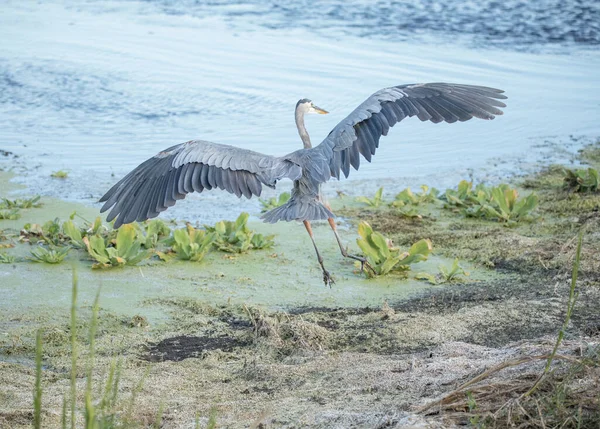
point(407, 197)
point(191, 244)
point(236, 237)
point(60, 174)
point(375, 202)
point(51, 255)
point(446, 274)
point(126, 249)
point(500, 203)
point(21, 203)
point(581, 180)
point(12, 214)
point(384, 257)
point(5, 258)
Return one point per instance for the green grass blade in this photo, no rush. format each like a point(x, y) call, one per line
point(73, 397)
point(37, 396)
point(89, 406)
point(63, 416)
point(573, 294)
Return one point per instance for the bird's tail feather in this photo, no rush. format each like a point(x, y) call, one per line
point(298, 210)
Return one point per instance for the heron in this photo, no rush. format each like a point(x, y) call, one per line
point(198, 165)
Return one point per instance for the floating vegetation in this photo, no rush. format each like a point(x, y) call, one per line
point(5, 258)
point(407, 197)
point(446, 275)
point(126, 249)
point(155, 231)
point(501, 203)
point(52, 255)
point(191, 244)
point(49, 233)
point(581, 180)
point(20, 203)
point(384, 257)
point(375, 202)
point(10, 214)
point(60, 174)
point(236, 237)
point(73, 233)
point(273, 203)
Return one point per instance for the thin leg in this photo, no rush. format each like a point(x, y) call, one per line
point(345, 254)
point(326, 276)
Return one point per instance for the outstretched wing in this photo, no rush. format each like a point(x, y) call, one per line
point(359, 133)
point(194, 166)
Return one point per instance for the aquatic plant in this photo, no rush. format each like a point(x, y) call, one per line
point(5, 258)
point(384, 257)
point(407, 197)
point(10, 214)
point(273, 203)
point(20, 203)
point(49, 233)
point(60, 174)
point(191, 244)
point(125, 251)
point(500, 202)
point(445, 275)
point(236, 237)
point(51, 255)
point(376, 201)
point(581, 180)
point(73, 233)
point(154, 231)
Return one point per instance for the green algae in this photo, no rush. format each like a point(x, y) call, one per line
point(259, 329)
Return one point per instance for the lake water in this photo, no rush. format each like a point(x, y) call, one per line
point(96, 87)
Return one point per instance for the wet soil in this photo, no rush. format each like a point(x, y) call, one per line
point(318, 358)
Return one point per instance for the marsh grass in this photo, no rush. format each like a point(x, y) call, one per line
point(105, 410)
point(562, 396)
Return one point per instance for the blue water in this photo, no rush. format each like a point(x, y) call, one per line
point(97, 87)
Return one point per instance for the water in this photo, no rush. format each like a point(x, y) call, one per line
point(97, 87)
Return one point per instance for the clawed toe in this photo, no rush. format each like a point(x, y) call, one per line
point(327, 279)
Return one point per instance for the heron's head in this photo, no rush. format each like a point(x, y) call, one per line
point(308, 106)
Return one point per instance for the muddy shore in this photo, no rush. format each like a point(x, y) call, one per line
point(258, 339)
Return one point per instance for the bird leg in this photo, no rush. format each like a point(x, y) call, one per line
point(363, 262)
point(327, 279)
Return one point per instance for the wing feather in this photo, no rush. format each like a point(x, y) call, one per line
point(194, 166)
point(360, 131)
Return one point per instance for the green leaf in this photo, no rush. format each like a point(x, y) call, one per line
point(125, 239)
point(71, 231)
point(425, 276)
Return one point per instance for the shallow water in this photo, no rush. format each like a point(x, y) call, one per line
point(97, 87)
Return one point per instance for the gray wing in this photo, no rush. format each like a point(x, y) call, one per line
point(359, 133)
point(194, 166)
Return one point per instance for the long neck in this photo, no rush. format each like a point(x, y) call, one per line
point(301, 128)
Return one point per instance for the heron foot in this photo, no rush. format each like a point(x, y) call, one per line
point(327, 279)
point(363, 262)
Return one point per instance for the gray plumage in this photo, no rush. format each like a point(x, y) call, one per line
point(199, 165)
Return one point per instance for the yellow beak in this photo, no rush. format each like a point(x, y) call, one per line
point(319, 110)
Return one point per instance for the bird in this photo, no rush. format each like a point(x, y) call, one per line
point(198, 165)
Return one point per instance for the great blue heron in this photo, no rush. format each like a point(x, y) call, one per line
point(197, 165)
